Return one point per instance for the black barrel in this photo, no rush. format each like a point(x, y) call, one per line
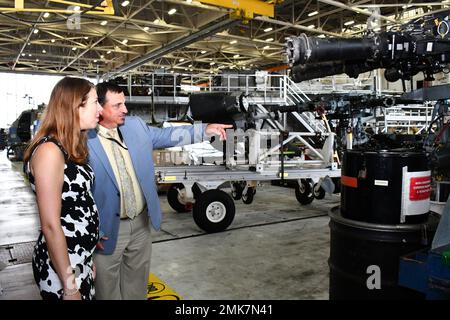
point(355, 246)
point(371, 188)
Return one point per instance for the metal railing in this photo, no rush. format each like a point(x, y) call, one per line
point(260, 87)
point(412, 118)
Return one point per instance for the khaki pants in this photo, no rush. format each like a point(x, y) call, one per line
point(124, 274)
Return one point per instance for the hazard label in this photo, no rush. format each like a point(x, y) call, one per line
point(419, 188)
point(158, 290)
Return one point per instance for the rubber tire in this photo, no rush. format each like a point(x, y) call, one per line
point(248, 197)
point(10, 153)
point(307, 196)
point(237, 195)
point(318, 194)
point(172, 198)
point(337, 185)
point(196, 191)
point(202, 203)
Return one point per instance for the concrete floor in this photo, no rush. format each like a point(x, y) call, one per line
point(274, 249)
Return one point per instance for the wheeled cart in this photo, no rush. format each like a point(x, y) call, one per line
point(198, 188)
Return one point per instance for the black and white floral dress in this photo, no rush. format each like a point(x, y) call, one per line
point(79, 221)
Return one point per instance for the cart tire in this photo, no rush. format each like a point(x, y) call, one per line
point(236, 191)
point(214, 211)
point(248, 197)
point(196, 191)
point(319, 192)
point(304, 193)
point(174, 201)
point(10, 153)
point(337, 184)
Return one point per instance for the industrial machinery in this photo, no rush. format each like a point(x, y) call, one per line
point(252, 153)
point(20, 133)
point(387, 180)
point(3, 136)
point(421, 45)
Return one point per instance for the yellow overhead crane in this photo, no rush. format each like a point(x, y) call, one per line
point(105, 8)
point(246, 9)
point(241, 9)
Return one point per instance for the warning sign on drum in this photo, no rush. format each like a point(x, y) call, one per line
point(419, 188)
point(416, 190)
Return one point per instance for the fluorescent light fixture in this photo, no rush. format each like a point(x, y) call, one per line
point(311, 26)
point(349, 23)
point(212, 63)
point(313, 13)
point(53, 40)
point(236, 56)
point(321, 36)
point(125, 3)
point(102, 56)
point(124, 41)
point(95, 61)
point(43, 51)
point(181, 60)
point(23, 54)
point(269, 39)
point(146, 28)
point(108, 52)
point(233, 41)
point(35, 31)
point(190, 66)
point(203, 51)
point(37, 60)
point(85, 38)
point(103, 23)
point(30, 55)
point(46, 15)
point(268, 29)
point(266, 47)
point(172, 11)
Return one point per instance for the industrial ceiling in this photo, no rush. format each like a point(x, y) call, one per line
point(184, 36)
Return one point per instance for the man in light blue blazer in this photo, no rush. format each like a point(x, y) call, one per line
point(120, 153)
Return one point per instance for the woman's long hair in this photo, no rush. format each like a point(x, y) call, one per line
point(61, 119)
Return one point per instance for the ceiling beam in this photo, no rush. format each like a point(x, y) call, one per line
point(355, 9)
point(108, 34)
point(297, 26)
point(172, 46)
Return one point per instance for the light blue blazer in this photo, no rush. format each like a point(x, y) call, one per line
point(141, 140)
